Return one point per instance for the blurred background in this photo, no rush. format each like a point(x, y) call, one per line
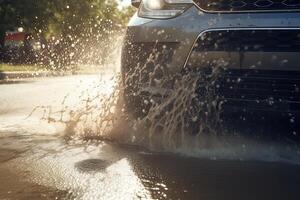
point(60, 34)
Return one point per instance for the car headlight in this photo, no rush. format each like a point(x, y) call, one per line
point(163, 9)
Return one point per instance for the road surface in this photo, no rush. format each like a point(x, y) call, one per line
point(37, 162)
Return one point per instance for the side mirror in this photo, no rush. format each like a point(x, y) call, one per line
point(136, 3)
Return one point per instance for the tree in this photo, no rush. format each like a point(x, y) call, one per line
point(7, 18)
point(76, 26)
point(32, 15)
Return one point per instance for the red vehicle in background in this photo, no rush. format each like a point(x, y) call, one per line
point(15, 39)
point(18, 47)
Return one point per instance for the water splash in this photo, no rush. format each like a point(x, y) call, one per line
point(166, 127)
point(165, 112)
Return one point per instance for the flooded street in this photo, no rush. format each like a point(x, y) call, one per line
point(38, 162)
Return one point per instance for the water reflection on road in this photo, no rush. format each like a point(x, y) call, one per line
point(37, 162)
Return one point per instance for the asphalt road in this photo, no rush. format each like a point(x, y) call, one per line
point(37, 162)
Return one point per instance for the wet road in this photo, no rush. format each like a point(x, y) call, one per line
point(37, 162)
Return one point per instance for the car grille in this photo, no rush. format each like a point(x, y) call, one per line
point(250, 40)
point(248, 5)
point(261, 89)
point(275, 87)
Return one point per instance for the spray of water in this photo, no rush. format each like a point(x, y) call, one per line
point(183, 119)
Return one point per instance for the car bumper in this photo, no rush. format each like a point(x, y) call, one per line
point(177, 40)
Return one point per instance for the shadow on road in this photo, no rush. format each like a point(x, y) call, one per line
point(2, 75)
point(7, 82)
point(4, 80)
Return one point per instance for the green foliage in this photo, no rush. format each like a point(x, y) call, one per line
point(76, 18)
point(82, 16)
point(20, 68)
point(31, 14)
point(125, 14)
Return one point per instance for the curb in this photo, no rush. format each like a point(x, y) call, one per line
point(31, 74)
point(6, 76)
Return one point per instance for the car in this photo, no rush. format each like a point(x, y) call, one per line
point(211, 56)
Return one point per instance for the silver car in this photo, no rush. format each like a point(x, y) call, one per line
point(233, 55)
